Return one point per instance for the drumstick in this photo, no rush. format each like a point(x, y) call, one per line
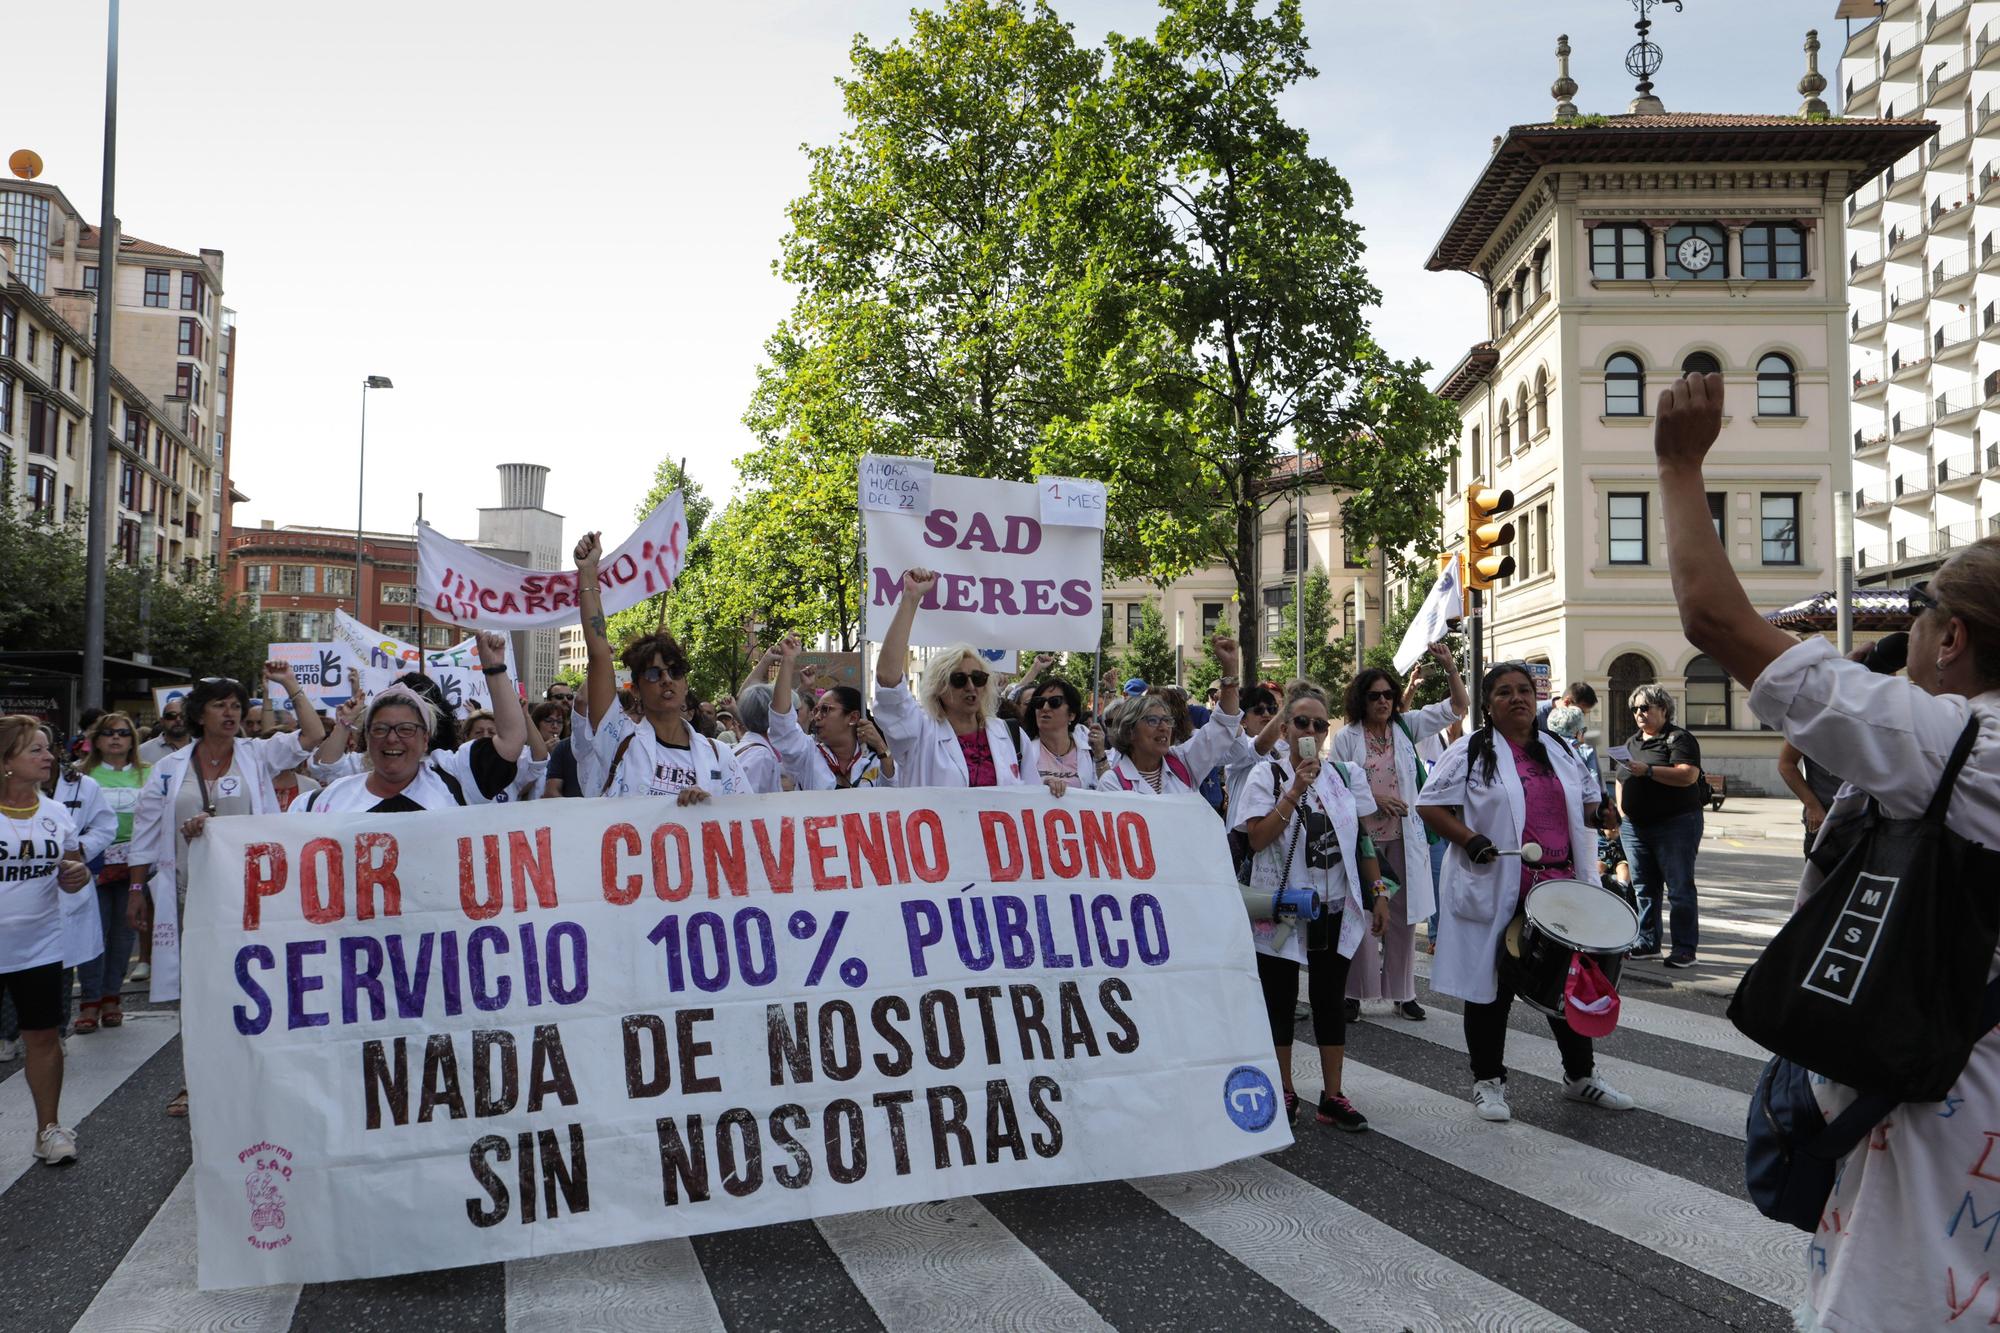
point(1531, 852)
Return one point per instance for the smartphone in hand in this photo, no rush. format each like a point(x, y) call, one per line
point(1306, 748)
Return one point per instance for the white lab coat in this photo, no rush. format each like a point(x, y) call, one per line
point(1342, 793)
point(1477, 901)
point(758, 759)
point(154, 840)
point(1351, 747)
point(1217, 741)
point(96, 829)
point(926, 750)
point(808, 764)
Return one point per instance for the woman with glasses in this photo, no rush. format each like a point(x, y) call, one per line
point(1381, 739)
point(1147, 760)
point(951, 736)
point(111, 764)
point(396, 725)
point(843, 750)
point(1301, 820)
point(1058, 744)
point(489, 765)
point(223, 773)
point(1902, 1192)
point(659, 752)
point(1660, 797)
point(1514, 784)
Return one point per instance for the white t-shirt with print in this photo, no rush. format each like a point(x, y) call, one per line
point(31, 853)
point(649, 767)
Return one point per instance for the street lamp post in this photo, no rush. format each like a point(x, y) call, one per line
point(97, 492)
point(360, 481)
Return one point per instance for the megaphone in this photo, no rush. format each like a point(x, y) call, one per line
point(1282, 905)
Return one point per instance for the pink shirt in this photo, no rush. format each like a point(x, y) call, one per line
point(1380, 761)
point(978, 759)
point(1548, 818)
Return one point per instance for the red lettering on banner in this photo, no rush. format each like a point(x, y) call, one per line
point(818, 853)
point(1951, 1301)
point(1100, 845)
point(1135, 840)
point(662, 883)
point(619, 839)
point(371, 874)
point(470, 902)
point(722, 858)
point(321, 909)
point(777, 868)
point(864, 842)
point(1003, 865)
point(264, 874)
point(1061, 838)
point(931, 863)
point(534, 867)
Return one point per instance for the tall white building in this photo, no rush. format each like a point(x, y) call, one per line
point(1923, 266)
point(520, 525)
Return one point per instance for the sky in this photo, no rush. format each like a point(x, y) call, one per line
point(553, 225)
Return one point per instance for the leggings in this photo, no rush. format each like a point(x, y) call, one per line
point(1326, 988)
point(1486, 1040)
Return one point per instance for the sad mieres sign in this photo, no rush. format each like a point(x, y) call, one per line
point(1004, 576)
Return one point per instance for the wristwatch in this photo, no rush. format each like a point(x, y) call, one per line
point(1227, 681)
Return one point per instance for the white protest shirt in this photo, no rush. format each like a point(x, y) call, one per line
point(427, 791)
point(1342, 795)
point(760, 763)
point(31, 852)
point(649, 766)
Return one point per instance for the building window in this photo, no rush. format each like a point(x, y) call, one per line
point(1275, 601)
point(190, 339)
point(1718, 502)
point(69, 439)
point(8, 328)
point(1774, 252)
point(25, 217)
point(1505, 437)
point(159, 287)
point(41, 428)
point(34, 343)
point(296, 578)
point(74, 362)
point(1544, 270)
point(1700, 363)
point(184, 380)
point(1628, 528)
point(257, 578)
point(1624, 387)
point(90, 277)
point(1697, 252)
point(1521, 412)
point(1290, 563)
point(1777, 387)
point(191, 291)
point(1538, 542)
point(1628, 672)
point(128, 486)
point(1542, 402)
point(396, 594)
point(1780, 517)
point(42, 490)
point(1211, 619)
point(1354, 548)
point(338, 581)
point(1478, 454)
point(1134, 613)
point(128, 540)
point(1620, 252)
point(1451, 478)
point(1707, 707)
point(1503, 306)
point(6, 405)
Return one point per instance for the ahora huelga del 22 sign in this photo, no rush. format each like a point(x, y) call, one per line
point(426, 1040)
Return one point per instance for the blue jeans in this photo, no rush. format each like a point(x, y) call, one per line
point(1662, 853)
point(105, 975)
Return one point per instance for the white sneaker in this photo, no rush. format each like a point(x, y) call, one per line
point(143, 972)
point(1594, 1091)
point(11, 1050)
point(1489, 1098)
point(56, 1146)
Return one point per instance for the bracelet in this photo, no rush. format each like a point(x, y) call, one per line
point(499, 670)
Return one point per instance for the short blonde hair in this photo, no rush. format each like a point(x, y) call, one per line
point(937, 679)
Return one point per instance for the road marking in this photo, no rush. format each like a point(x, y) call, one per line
point(1364, 1275)
point(1668, 1020)
point(950, 1264)
point(1688, 1223)
point(153, 1288)
point(624, 1289)
point(93, 1068)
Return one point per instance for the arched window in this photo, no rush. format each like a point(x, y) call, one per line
point(1541, 401)
point(1624, 387)
point(1503, 308)
point(1628, 672)
point(1707, 696)
point(1700, 363)
point(1506, 436)
point(1521, 412)
point(1777, 387)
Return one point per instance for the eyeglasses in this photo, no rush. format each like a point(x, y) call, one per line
point(108, 734)
point(173, 716)
point(653, 675)
point(1319, 724)
point(976, 679)
point(402, 731)
point(1261, 710)
point(1379, 694)
point(1050, 701)
point(1921, 599)
point(1157, 720)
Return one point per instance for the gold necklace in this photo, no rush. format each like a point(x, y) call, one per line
point(19, 811)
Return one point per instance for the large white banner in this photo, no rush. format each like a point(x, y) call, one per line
point(456, 669)
point(1004, 577)
point(469, 587)
point(424, 1040)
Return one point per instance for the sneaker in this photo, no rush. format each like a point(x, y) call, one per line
point(1680, 960)
point(1354, 1011)
point(1594, 1091)
point(1489, 1098)
point(1301, 1012)
point(1413, 1011)
point(143, 972)
point(1653, 952)
point(1340, 1113)
point(1291, 1107)
point(56, 1146)
point(11, 1050)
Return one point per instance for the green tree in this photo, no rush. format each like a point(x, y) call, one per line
point(1329, 662)
point(1148, 654)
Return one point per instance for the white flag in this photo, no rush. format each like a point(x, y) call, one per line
point(1446, 603)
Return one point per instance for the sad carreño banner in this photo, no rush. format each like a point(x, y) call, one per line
point(425, 1040)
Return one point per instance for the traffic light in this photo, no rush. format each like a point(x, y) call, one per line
point(1486, 538)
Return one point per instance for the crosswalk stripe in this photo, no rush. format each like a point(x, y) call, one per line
point(1669, 1020)
point(623, 1289)
point(153, 1289)
point(1686, 1222)
point(93, 1068)
point(1675, 1096)
point(951, 1265)
point(1364, 1275)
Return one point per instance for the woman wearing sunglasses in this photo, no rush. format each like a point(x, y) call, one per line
point(658, 753)
point(1382, 740)
point(1302, 823)
point(1058, 744)
point(112, 764)
point(1149, 763)
point(843, 750)
point(951, 737)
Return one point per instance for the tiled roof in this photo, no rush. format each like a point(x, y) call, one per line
point(1471, 370)
point(1865, 146)
point(132, 245)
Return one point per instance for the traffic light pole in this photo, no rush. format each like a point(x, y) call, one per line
point(1475, 635)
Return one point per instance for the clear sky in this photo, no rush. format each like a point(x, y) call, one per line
point(553, 224)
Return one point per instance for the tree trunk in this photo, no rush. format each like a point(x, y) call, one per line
point(1249, 611)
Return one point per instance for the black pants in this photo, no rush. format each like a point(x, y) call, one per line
point(1326, 988)
point(1486, 1040)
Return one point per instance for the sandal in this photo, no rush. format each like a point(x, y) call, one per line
point(179, 1105)
point(86, 1018)
point(109, 1014)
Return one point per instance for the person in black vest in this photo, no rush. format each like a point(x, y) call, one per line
point(1659, 794)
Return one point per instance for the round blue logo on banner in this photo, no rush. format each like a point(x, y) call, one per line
point(1249, 1099)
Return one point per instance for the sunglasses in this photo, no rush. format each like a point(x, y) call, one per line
point(1921, 599)
point(1379, 694)
point(1261, 710)
point(555, 698)
point(108, 734)
point(1644, 708)
point(977, 679)
point(220, 680)
point(1318, 724)
point(653, 675)
point(1050, 701)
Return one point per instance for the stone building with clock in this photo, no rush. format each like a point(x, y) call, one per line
point(1617, 252)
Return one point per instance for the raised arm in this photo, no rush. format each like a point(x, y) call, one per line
point(346, 717)
point(893, 656)
point(1461, 699)
point(600, 681)
point(1230, 659)
point(311, 730)
point(509, 720)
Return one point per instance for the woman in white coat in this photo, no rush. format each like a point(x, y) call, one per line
point(1382, 739)
point(844, 750)
point(1514, 784)
point(947, 735)
point(1055, 743)
point(1302, 823)
point(1147, 762)
point(224, 772)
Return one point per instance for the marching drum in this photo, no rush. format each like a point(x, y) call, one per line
point(1563, 917)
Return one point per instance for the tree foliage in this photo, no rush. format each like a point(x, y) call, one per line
point(1148, 654)
point(1329, 662)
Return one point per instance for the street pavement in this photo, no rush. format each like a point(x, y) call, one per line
point(1567, 1218)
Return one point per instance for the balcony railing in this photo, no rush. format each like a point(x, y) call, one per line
point(1949, 471)
point(1950, 269)
point(1954, 334)
point(1940, 12)
point(1868, 81)
point(1985, 111)
point(1992, 457)
point(1864, 257)
point(1869, 196)
point(1949, 137)
point(1899, 361)
point(1896, 426)
point(1947, 70)
point(1871, 313)
point(1942, 205)
point(1908, 292)
point(1958, 534)
point(1953, 401)
point(1863, 440)
point(1988, 37)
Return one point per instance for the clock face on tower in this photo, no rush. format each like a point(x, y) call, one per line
point(1695, 254)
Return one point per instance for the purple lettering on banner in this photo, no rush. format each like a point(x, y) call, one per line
point(410, 985)
point(361, 970)
point(298, 984)
point(999, 596)
point(923, 926)
point(568, 984)
point(1076, 597)
point(1024, 535)
point(1149, 929)
point(977, 958)
point(1038, 597)
point(448, 973)
point(258, 1019)
point(938, 530)
point(979, 535)
point(476, 945)
point(1010, 923)
point(957, 592)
